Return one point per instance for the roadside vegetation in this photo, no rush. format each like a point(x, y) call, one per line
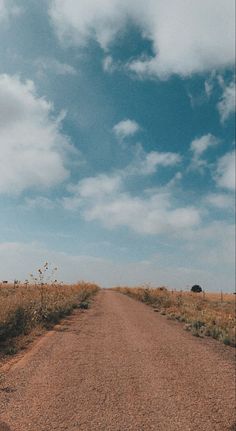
point(204, 314)
point(27, 307)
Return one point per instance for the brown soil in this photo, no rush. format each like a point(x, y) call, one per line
point(119, 366)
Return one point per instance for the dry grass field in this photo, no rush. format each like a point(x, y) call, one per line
point(25, 307)
point(204, 314)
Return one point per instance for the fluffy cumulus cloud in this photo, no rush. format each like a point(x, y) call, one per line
point(225, 172)
point(126, 128)
point(32, 145)
point(154, 159)
point(226, 105)
point(104, 198)
point(199, 146)
point(147, 163)
point(91, 188)
point(186, 37)
point(77, 22)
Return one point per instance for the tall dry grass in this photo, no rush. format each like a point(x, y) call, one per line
point(204, 314)
point(23, 307)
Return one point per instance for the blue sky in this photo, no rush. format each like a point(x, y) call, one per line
point(117, 141)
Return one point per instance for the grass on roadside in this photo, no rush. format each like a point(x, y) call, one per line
point(26, 307)
point(204, 314)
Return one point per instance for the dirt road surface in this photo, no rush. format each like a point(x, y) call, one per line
point(118, 367)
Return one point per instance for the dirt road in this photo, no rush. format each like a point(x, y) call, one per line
point(120, 366)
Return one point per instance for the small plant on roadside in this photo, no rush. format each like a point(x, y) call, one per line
point(42, 302)
point(204, 314)
point(84, 305)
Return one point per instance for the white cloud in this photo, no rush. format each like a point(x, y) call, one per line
point(104, 199)
point(78, 22)
point(8, 9)
point(220, 200)
point(199, 146)
point(148, 163)
point(91, 188)
point(185, 38)
point(3, 9)
point(226, 106)
point(56, 67)
point(143, 215)
point(33, 148)
point(225, 172)
point(155, 159)
point(209, 87)
point(108, 64)
point(126, 128)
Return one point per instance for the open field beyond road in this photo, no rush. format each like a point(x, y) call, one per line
point(119, 366)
